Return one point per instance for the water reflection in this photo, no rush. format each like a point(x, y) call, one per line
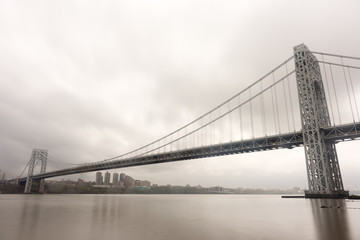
point(163, 217)
point(29, 218)
point(331, 219)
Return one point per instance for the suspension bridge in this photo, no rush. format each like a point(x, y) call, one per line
point(309, 100)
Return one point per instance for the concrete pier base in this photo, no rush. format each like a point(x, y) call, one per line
point(334, 195)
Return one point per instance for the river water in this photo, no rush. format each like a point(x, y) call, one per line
point(173, 217)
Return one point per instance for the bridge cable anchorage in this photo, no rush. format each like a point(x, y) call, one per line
point(328, 91)
point(236, 95)
point(352, 89)
point(347, 88)
point(336, 99)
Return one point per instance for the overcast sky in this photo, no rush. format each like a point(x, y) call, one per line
point(89, 80)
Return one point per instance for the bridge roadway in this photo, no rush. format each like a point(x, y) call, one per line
point(332, 134)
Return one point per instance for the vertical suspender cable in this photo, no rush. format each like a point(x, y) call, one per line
point(230, 123)
point(276, 104)
point(211, 127)
point(191, 136)
point(158, 147)
point(352, 89)
point(262, 110)
point(291, 104)
point(273, 107)
point(164, 147)
point(198, 137)
point(328, 90)
point(286, 106)
point(171, 137)
point(251, 116)
point(202, 138)
point(336, 100)
point(347, 88)
point(220, 127)
point(177, 141)
point(185, 139)
point(209, 131)
point(240, 117)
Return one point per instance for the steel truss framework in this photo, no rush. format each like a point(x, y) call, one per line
point(322, 165)
point(36, 155)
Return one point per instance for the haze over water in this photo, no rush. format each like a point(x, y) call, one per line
point(58, 217)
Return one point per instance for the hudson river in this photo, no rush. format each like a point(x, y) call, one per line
point(176, 217)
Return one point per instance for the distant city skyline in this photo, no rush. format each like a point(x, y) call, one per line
point(124, 181)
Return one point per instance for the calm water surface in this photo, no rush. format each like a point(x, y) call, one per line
point(60, 217)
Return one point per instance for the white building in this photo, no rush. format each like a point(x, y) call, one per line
point(2, 175)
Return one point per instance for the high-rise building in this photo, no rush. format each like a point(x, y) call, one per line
point(107, 178)
point(98, 179)
point(115, 179)
point(122, 177)
point(129, 182)
point(2, 175)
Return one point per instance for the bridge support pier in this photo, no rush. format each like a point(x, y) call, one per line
point(323, 171)
point(36, 155)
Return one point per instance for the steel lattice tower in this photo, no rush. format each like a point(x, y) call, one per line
point(323, 171)
point(40, 155)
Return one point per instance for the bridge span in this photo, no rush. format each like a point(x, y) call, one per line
point(290, 140)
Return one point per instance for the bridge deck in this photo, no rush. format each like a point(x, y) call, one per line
point(290, 140)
